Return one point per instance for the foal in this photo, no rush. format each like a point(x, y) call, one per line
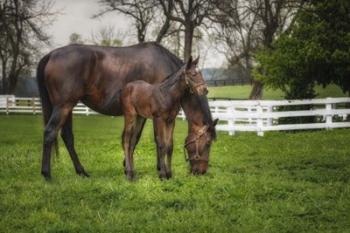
point(160, 102)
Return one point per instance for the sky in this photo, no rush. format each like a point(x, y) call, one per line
point(76, 17)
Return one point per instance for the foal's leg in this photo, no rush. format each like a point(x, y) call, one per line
point(169, 147)
point(129, 128)
point(160, 137)
point(68, 138)
point(158, 152)
point(57, 119)
point(140, 123)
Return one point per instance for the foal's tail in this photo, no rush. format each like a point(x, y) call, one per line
point(46, 104)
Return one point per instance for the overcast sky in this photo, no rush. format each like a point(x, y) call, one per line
point(75, 16)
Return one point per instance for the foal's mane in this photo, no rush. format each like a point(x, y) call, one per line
point(171, 79)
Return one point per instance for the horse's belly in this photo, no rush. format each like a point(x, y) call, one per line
point(110, 107)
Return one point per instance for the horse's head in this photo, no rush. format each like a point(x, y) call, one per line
point(198, 145)
point(194, 79)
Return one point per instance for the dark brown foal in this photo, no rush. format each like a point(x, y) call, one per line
point(160, 102)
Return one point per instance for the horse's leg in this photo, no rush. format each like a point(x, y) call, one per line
point(160, 137)
point(169, 147)
point(140, 123)
point(68, 138)
point(57, 119)
point(129, 128)
point(158, 152)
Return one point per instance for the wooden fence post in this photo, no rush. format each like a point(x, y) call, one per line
point(259, 122)
point(269, 119)
point(249, 108)
point(7, 105)
point(231, 121)
point(329, 116)
point(33, 106)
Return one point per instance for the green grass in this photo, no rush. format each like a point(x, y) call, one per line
point(282, 182)
point(242, 92)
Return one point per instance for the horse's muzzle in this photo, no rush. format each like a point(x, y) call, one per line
point(203, 90)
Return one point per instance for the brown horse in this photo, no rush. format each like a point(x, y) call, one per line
point(160, 102)
point(96, 76)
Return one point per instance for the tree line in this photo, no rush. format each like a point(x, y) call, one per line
point(262, 36)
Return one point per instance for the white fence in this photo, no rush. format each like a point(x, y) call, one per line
point(11, 104)
point(262, 115)
point(243, 115)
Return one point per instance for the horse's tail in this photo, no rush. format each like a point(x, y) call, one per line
point(46, 104)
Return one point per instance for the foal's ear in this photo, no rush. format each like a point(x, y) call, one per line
point(215, 122)
point(195, 62)
point(189, 63)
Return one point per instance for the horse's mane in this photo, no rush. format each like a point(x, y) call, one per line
point(171, 79)
point(174, 59)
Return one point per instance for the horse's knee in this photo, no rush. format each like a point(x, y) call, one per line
point(162, 147)
point(49, 136)
point(170, 149)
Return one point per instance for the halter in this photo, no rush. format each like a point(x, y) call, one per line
point(196, 157)
point(191, 84)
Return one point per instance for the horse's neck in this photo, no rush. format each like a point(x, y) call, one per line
point(173, 89)
point(197, 111)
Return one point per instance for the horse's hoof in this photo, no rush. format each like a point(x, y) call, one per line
point(83, 173)
point(46, 175)
point(163, 176)
point(130, 176)
point(169, 175)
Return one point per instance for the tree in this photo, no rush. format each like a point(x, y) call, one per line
point(237, 33)
point(273, 18)
point(190, 14)
point(315, 50)
point(245, 26)
point(107, 36)
point(141, 11)
point(75, 38)
point(21, 24)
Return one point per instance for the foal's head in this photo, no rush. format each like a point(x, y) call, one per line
point(194, 79)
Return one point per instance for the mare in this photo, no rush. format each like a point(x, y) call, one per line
point(96, 75)
point(161, 103)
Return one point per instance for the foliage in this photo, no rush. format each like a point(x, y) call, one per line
point(21, 26)
point(107, 36)
point(141, 11)
point(255, 184)
point(75, 38)
point(317, 50)
point(167, 17)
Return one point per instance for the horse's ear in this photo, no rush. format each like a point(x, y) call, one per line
point(189, 63)
point(215, 122)
point(195, 62)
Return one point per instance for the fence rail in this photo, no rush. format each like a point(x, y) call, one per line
point(234, 115)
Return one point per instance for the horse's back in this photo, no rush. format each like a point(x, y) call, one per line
point(96, 74)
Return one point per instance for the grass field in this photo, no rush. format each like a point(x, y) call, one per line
point(282, 182)
point(242, 92)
